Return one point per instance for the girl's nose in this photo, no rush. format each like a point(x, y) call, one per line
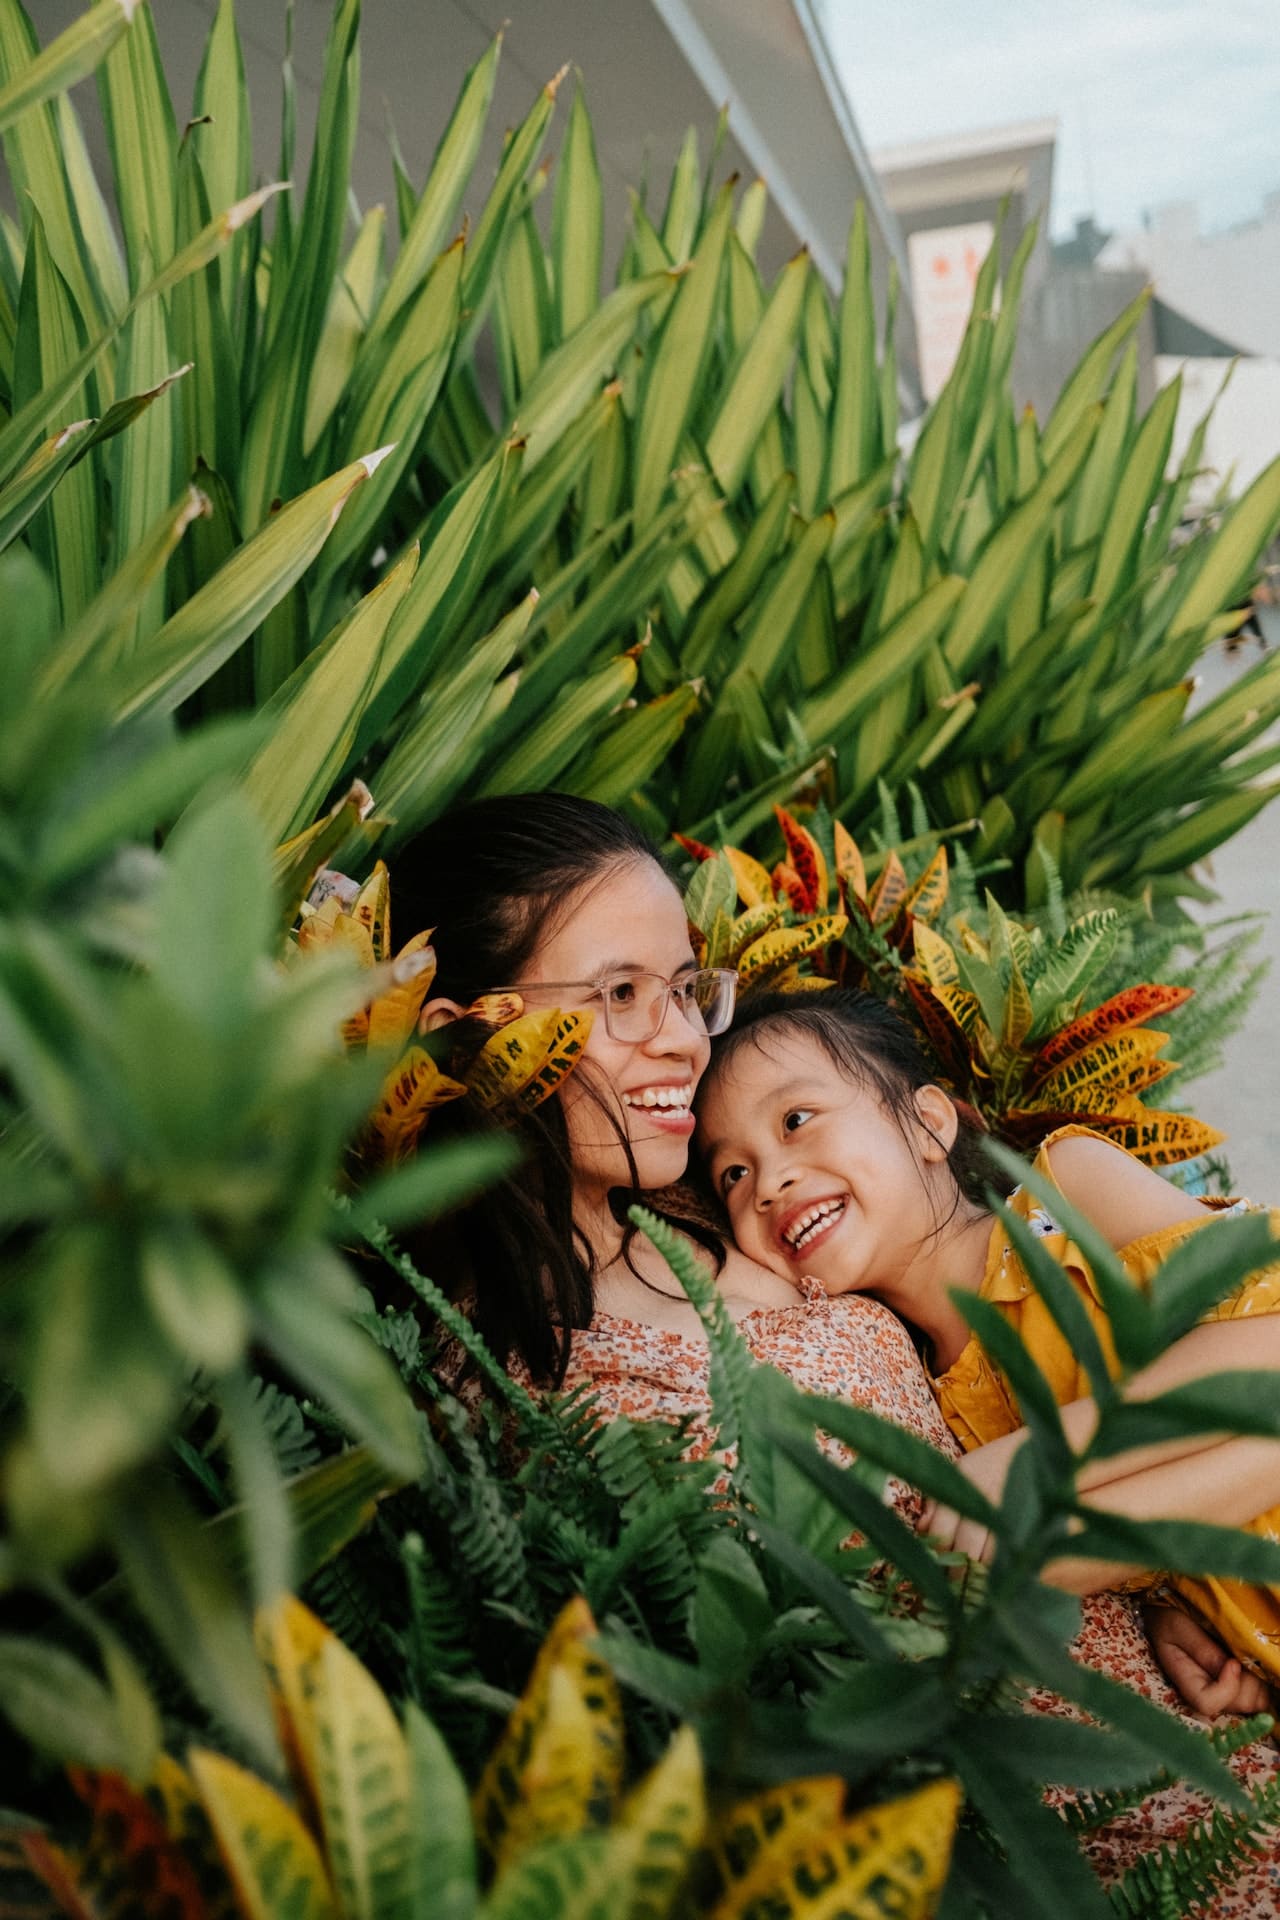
point(773, 1185)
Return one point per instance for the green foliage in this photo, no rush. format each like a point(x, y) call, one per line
point(691, 457)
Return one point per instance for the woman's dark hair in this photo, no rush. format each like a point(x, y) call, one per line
point(870, 1042)
point(495, 878)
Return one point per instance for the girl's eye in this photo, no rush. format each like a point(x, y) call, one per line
point(730, 1177)
point(796, 1118)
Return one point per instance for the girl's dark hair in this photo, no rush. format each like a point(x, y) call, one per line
point(871, 1043)
point(495, 878)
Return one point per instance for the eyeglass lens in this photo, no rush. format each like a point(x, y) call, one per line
point(635, 1007)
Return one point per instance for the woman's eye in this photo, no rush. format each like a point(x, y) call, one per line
point(622, 993)
point(796, 1118)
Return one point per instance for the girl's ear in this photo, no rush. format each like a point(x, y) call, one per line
point(439, 1013)
point(939, 1119)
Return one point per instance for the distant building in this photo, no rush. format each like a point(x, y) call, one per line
point(947, 194)
point(1217, 318)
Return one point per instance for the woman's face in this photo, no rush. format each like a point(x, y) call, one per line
point(631, 920)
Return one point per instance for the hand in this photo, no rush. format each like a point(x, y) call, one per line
point(987, 1468)
point(1199, 1668)
point(951, 1532)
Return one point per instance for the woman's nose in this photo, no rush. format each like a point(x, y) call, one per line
point(676, 1032)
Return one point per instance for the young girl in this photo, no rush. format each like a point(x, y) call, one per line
point(838, 1159)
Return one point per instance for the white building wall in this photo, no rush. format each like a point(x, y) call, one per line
point(1244, 432)
point(1227, 282)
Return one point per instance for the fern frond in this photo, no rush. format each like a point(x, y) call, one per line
point(1179, 1875)
point(731, 1361)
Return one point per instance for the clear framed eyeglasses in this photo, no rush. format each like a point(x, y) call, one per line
point(634, 1005)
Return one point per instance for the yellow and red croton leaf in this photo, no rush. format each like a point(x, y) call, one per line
point(1129, 1008)
point(806, 860)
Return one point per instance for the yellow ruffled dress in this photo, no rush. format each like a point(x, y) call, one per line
point(979, 1405)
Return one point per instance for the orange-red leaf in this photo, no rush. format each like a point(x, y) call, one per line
point(807, 860)
point(1130, 1008)
point(789, 887)
point(131, 1851)
point(696, 849)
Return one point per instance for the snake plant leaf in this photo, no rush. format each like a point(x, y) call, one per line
point(763, 650)
point(144, 461)
point(539, 758)
point(577, 222)
point(1091, 500)
point(23, 431)
point(352, 302)
point(272, 458)
point(315, 717)
point(994, 578)
point(41, 178)
point(76, 52)
point(403, 393)
point(65, 536)
point(736, 585)
point(209, 627)
point(1131, 505)
point(752, 386)
point(635, 747)
point(448, 713)
point(1226, 570)
point(143, 137)
point(97, 234)
point(31, 486)
point(855, 425)
point(1111, 763)
point(501, 208)
point(678, 360)
point(851, 697)
point(455, 539)
point(1087, 382)
point(437, 206)
point(1200, 831)
point(101, 633)
point(573, 373)
point(227, 160)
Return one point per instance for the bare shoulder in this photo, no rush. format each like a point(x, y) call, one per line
point(1123, 1199)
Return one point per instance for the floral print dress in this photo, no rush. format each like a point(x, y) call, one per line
point(855, 1349)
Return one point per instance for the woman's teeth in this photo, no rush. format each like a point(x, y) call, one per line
point(801, 1231)
point(670, 1099)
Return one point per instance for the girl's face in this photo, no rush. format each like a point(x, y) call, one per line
point(629, 921)
point(818, 1178)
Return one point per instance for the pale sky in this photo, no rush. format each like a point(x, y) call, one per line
point(1156, 100)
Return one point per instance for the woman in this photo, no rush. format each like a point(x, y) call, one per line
point(567, 904)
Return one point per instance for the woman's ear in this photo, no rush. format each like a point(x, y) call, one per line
point(939, 1119)
point(439, 1013)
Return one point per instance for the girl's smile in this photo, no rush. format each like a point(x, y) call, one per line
point(818, 1178)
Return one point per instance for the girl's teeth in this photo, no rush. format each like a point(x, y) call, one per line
point(810, 1223)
